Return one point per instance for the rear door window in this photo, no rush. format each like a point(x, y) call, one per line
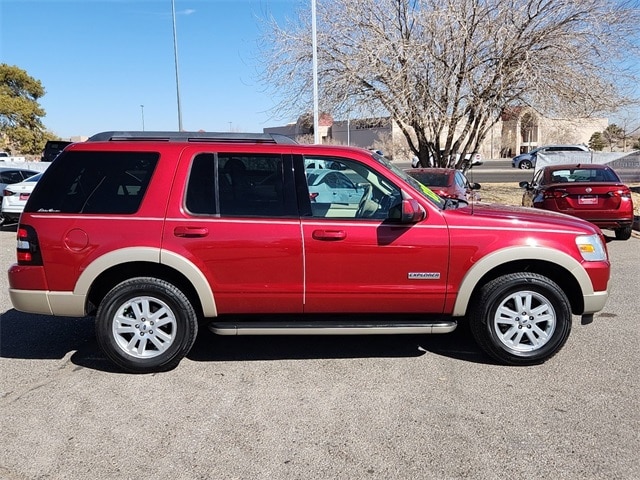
point(237, 184)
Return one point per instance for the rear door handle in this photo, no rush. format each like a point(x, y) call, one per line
point(191, 232)
point(329, 235)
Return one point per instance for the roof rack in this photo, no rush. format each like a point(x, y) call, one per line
point(223, 137)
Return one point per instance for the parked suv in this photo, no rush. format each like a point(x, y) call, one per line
point(526, 161)
point(159, 233)
point(52, 149)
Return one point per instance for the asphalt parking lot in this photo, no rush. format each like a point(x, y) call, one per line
point(395, 407)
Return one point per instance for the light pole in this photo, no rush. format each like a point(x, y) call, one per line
point(314, 42)
point(142, 113)
point(175, 56)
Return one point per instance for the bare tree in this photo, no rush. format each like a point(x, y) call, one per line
point(446, 70)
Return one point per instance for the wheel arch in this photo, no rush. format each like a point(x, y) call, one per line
point(556, 265)
point(114, 267)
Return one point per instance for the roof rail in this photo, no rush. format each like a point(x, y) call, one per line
point(223, 137)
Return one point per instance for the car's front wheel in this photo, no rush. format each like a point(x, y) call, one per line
point(525, 165)
point(146, 325)
point(521, 318)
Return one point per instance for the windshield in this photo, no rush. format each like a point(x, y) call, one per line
point(426, 191)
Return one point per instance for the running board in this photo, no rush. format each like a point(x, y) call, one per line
point(333, 328)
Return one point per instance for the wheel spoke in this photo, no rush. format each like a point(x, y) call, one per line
point(540, 310)
point(123, 329)
point(162, 335)
point(527, 328)
point(161, 312)
point(141, 347)
point(159, 344)
point(137, 310)
point(541, 334)
point(506, 314)
point(150, 332)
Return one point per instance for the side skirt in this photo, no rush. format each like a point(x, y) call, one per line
point(336, 327)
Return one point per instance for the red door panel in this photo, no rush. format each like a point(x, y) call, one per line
point(370, 266)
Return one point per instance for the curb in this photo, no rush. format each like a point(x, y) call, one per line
point(635, 228)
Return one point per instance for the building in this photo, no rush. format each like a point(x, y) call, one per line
point(523, 129)
point(519, 130)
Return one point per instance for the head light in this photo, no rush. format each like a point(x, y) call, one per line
point(591, 248)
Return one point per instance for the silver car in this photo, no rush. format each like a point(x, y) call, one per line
point(525, 161)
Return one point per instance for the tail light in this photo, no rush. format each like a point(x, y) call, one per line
point(313, 196)
point(28, 248)
point(555, 194)
point(623, 192)
point(444, 194)
point(7, 193)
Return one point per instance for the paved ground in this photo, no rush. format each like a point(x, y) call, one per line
point(406, 407)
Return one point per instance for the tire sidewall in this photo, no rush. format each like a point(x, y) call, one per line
point(186, 324)
point(484, 321)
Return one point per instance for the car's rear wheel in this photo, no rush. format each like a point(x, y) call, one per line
point(521, 318)
point(146, 325)
point(623, 233)
point(525, 165)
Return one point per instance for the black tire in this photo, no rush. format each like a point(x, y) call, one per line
point(521, 319)
point(623, 233)
point(146, 325)
point(525, 165)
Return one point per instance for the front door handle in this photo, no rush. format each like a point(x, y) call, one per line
point(329, 235)
point(191, 232)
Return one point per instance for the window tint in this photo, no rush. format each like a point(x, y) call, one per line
point(349, 190)
point(11, 176)
point(584, 175)
point(432, 179)
point(238, 185)
point(94, 182)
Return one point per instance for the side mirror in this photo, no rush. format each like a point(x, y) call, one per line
point(475, 186)
point(412, 211)
point(524, 185)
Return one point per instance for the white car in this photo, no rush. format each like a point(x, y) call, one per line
point(14, 198)
point(331, 186)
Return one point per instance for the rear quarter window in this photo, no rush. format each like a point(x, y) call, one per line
point(94, 182)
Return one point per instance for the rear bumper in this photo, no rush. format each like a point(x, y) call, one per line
point(613, 223)
point(44, 302)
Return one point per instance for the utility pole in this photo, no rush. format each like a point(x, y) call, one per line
point(175, 56)
point(314, 42)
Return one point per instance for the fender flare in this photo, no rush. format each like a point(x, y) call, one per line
point(151, 255)
point(511, 254)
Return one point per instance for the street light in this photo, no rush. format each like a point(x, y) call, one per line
point(175, 56)
point(142, 113)
point(314, 42)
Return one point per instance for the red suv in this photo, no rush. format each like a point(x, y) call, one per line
point(157, 233)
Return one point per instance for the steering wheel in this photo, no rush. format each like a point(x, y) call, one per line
point(367, 206)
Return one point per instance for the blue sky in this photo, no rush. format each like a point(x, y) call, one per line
point(99, 60)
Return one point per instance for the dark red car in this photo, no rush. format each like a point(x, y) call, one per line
point(592, 192)
point(447, 182)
